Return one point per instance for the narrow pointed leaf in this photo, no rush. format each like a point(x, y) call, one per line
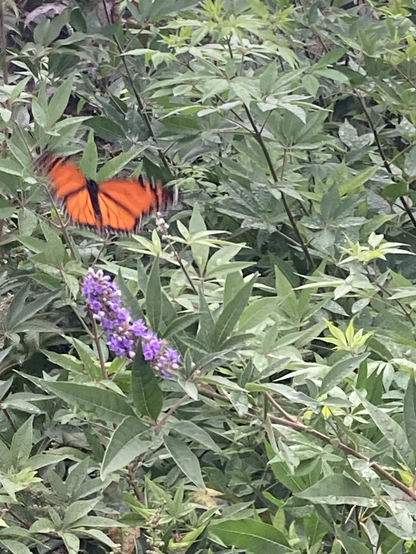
point(147, 395)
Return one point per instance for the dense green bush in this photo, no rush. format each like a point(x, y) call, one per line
point(285, 278)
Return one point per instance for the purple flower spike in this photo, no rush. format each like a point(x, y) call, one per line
point(103, 298)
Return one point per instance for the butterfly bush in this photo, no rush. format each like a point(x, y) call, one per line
point(103, 298)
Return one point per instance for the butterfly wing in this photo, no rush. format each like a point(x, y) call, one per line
point(80, 209)
point(114, 205)
point(65, 177)
point(70, 187)
point(123, 202)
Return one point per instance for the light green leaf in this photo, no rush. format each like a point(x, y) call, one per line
point(409, 412)
point(185, 459)
point(231, 313)
point(103, 404)
point(196, 433)
point(341, 370)
point(339, 489)
point(200, 252)
point(89, 158)
point(78, 510)
point(252, 536)
point(392, 431)
point(59, 101)
point(22, 442)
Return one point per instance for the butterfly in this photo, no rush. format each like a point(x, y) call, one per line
point(113, 205)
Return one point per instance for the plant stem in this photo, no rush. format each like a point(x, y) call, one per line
point(163, 229)
point(390, 294)
point(259, 138)
point(289, 421)
point(140, 104)
point(96, 337)
point(171, 411)
point(386, 163)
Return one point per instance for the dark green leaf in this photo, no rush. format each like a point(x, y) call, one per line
point(102, 403)
point(253, 536)
point(126, 443)
point(341, 370)
point(230, 315)
point(147, 395)
point(154, 297)
point(185, 459)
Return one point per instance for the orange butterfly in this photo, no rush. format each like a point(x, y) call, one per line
point(113, 205)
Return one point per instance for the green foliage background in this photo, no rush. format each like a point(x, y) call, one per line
point(286, 278)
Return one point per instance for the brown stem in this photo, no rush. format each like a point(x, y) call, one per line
point(63, 227)
point(5, 68)
point(96, 337)
point(171, 411)
point(139, 101)
point(290, 421)
point(259, 137)
point(131, 469)
point(10, 420)
point(22, 522)
point(386, 163)
point(386, 291)
point(163, 231)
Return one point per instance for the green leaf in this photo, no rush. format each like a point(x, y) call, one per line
point(89, 158)
point(55, 251)
point(311, 84)
point(252, 536)
point(330, 57)
point(231, 313)
point(409, 412)
point(333, 74)
point(27, 221)
point(5, 385)
point(351, 544)
point(102, 403)
point(10, 167)
point(22, 444)
point(341, 370)
point(200, 252)
point(268, 78)
point(7, 209)
point(105, 128)
point(410, 162)
point(19, 312)
point(15, 547)
point(38, 114)
point(126, 443)
point(392, 431)
point(213, 87)
point(78, 510)
point(257, 313)
point(72, 542)
point(196, 433)
point(90, 364)
point(154, 297)
point(59, 101)
point(356, 184)
point(284, 290)
point(185, 459)
point(206, 321)
point(129, 300)
point(116, 164)
point(339, 489)
point(393, 191)
point(147, 395)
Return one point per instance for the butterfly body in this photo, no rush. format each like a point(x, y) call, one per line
point(112, 205)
